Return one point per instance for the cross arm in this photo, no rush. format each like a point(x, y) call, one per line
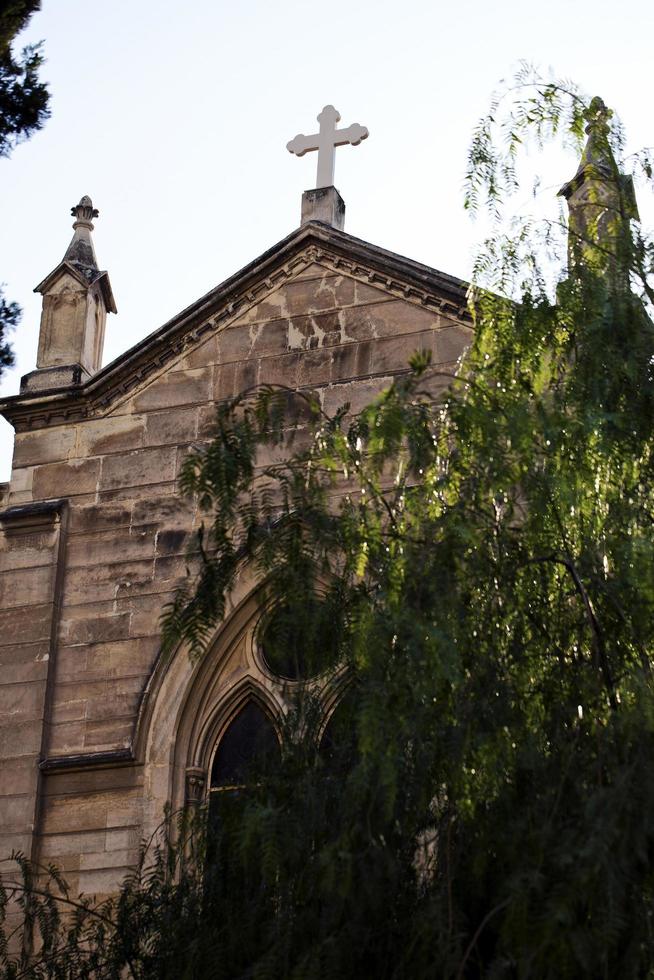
point(353, 134)
point(302, 144)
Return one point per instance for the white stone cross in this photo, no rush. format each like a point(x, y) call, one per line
point(326, 141)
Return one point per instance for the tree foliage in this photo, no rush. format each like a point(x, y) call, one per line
point(485, 557)
point(23, 111)
point(23, 96)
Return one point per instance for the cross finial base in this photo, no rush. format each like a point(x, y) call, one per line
point(324, 204)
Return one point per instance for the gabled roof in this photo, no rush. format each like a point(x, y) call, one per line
point(86, 275)
point(312, 242)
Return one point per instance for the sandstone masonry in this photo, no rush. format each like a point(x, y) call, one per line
point(97, 733)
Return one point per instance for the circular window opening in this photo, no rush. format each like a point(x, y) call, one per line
point(298, 642)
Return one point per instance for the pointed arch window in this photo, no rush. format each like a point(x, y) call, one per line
point(248, 747)
point(248, 744)
point(338, 745)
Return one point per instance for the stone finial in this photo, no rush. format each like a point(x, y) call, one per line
point(597, 116)
point(76, 299)
point(81, 251)
point(84, 212)
point(600, 199)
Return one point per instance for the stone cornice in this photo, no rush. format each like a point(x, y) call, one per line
point(313, 242)
point(31, 518)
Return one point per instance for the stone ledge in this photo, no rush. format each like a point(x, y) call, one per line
point(88, 760)
point(32, 517)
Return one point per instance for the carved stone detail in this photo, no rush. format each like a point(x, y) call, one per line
point(196, 781)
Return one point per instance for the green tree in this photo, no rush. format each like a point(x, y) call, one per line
point(484, 805)
point(23, 110)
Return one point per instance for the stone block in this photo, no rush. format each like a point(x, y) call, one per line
point(205, 353)
point(146, 613)
point(20, 738)
point(67, 738)
point(171, 542)
point(102, 582)
point(120, 838)
point(206, 422)
point(64, 711)
point(101, 883)
point(96, 628)
point(20, 702)
point(19, 775)
point(78, 814)
point(24, 624)
point(21, 662)
point(16, 812)
point(399, 317)
point(111, 547)
point(101, 860)
point(323, 204)
point(352, 360)
point(76, 844)
point(246, 376)
point(105, 662)
point(270, 337)
point(140, 468)
point(391, 354)
point(99, 517)
point(44, 446)
point(357, 393)
point(118, 706)
point(21, 483)
point(341, 291)
point(125, 812)
point(280, 370)
point(172, 427)
point(113, 733)
point(26, 586)
point(224, 385)
point(177, 388)
point(166, 511)
point(30, 550)
point(77, 476)
point(311, 332)
point(183, 452)
point(109, 779)
point(110, 435)
point(315, 367)
point(234, 343)
point(171, 569)
point(451, 342)
point(14, 841)
point(134, 494)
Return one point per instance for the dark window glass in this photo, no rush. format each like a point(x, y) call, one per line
point(248, 747)
point(249, 743)
point(338, 746)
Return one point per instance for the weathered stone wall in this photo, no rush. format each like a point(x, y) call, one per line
point(81, 593)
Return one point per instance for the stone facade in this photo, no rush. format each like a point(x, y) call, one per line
point(97, 731)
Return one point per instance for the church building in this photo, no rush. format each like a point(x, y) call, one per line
point(98, 732)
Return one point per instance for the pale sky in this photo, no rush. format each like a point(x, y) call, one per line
point(174, 118)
